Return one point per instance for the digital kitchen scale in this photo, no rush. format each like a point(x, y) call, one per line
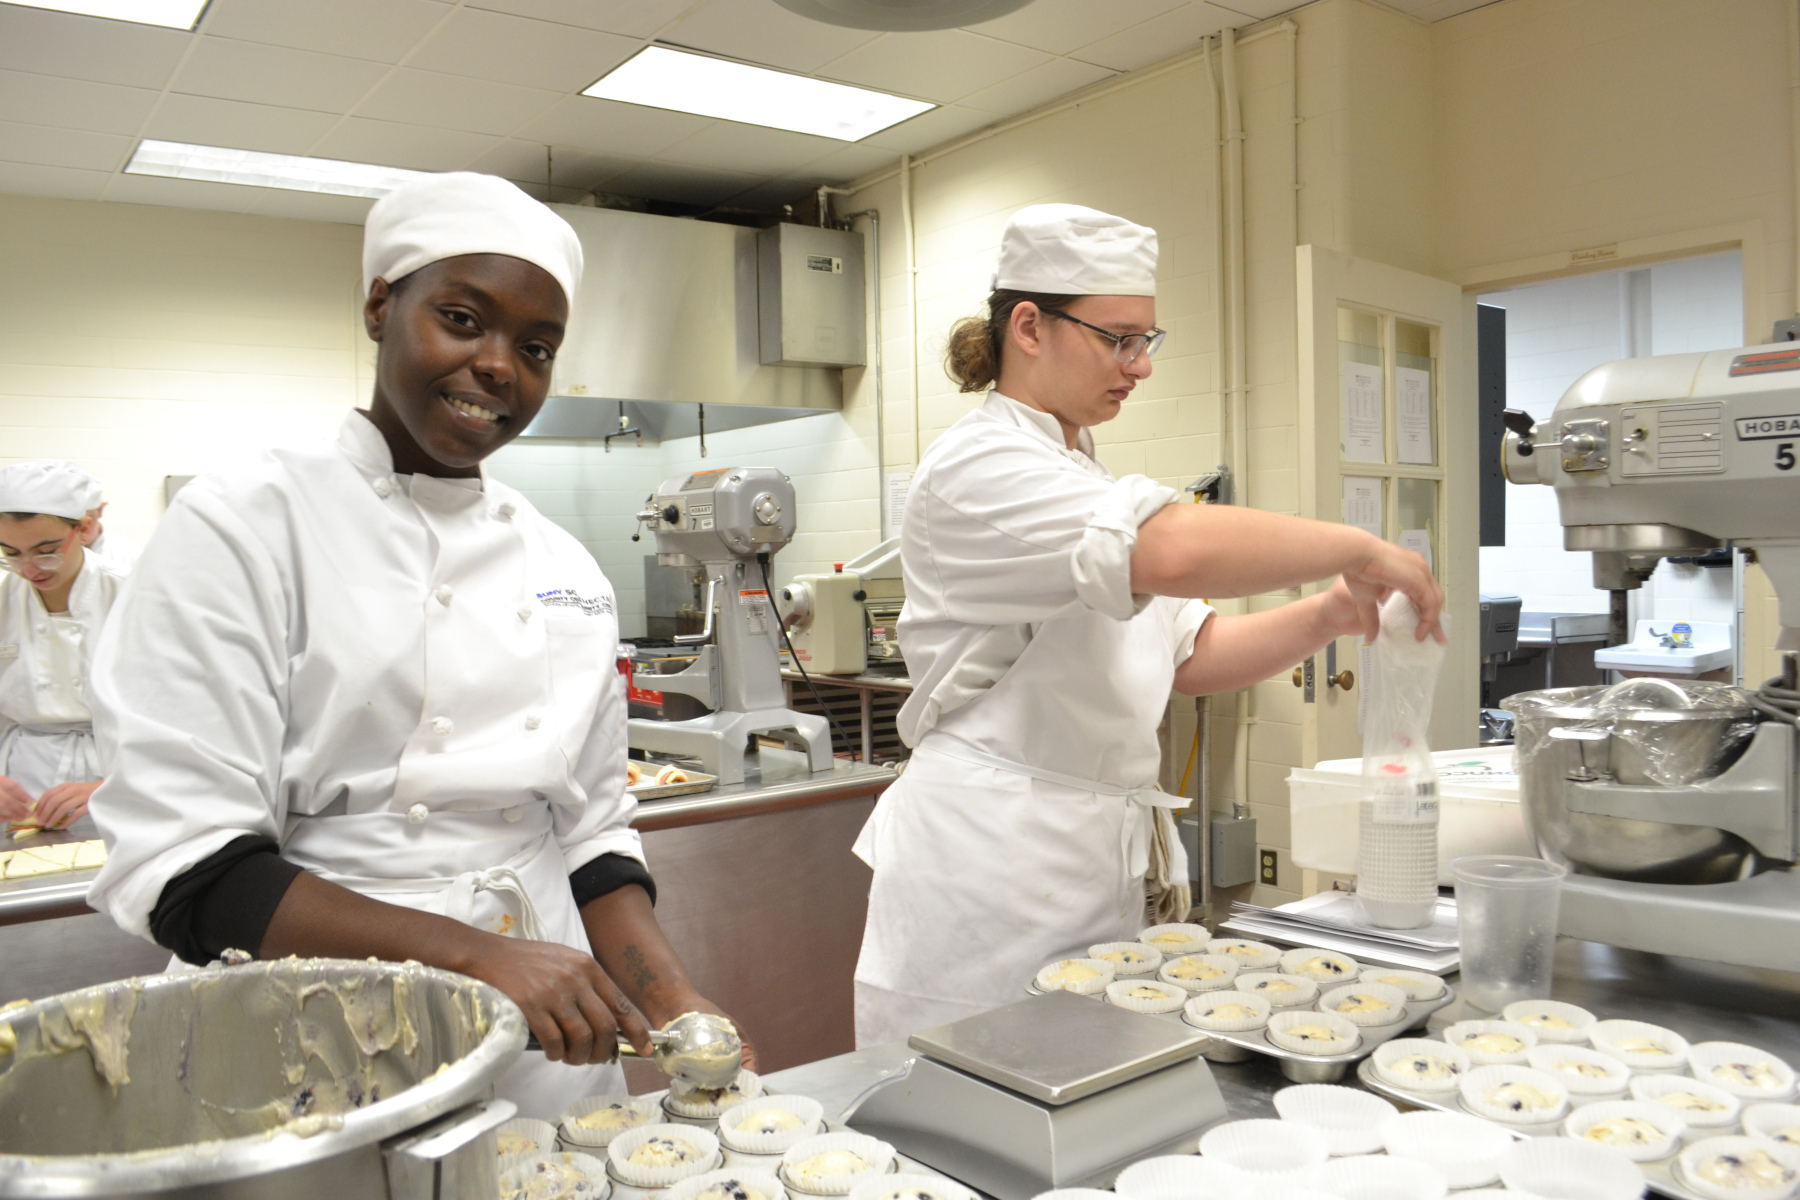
point(1054, 1091)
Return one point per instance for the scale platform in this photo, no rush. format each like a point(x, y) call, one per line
point(1052, 1092)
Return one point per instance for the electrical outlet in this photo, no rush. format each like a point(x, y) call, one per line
point(1271, 865)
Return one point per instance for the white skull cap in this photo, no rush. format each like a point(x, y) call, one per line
point(1068, 250)
point(435, 217)
point(49, 486)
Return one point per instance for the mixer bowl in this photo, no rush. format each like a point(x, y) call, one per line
point(271, 1079)
point(1621, 733)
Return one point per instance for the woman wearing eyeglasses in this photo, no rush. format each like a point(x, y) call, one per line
point(1050, 610)
point(54, 597)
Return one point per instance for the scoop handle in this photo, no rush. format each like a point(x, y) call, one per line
point(658, 1039)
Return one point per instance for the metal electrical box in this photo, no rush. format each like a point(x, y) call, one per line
point(810, 296)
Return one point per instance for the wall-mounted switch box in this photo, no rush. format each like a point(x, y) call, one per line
point(1234, 851)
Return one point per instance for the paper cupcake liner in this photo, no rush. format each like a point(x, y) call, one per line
point(1149, 958)
point(1580, 1020)
point(739, 1160)
point(1076, 1194)
point(810, 1112)
point(1416, 984)
point(1084, 987)
point(1350, 1118)
point(878, 1154)
point(1282, 1022)
point(1381, 1175)
point(703, 1104)
point(619, 1150)
point(572, 1134)
point(1466, 1149)
point(909, 1186)
point(1604, 1036)
point(1777, 1122)
point(1712, 1062)
point(1169, 998)
point(1380, 993)
point(1178, 938)
point(1265, 1147)
point(1700, 1124)
point(1389, 1053)
point(1250, 956)
point(762, 1181)
point(1293, 960)
point(1556, 1166)
point(1662, 1116)
point(1549, 1060)
point(1223, 962)
point(541, 1134)
point(518, 1171)
point(1194, 1012)
point(1459, 1034)
point(1688, 1164)
point(1267, 984)
point(1173, 1177)
point(1482, 1082)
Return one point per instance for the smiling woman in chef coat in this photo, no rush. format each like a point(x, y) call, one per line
point(1049, 610)
point(340, 712)
point(54, 597)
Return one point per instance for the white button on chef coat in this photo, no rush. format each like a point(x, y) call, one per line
point(279, 667)
point(46, 726)
point(1030, 659)
point(532, 721)
point(445, 594)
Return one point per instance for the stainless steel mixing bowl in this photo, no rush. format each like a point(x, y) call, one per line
point(274, 1080)
point(1652, 733)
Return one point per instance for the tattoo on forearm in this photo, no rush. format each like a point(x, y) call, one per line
point(635, 962)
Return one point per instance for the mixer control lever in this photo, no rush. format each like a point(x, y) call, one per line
point(1520, 422)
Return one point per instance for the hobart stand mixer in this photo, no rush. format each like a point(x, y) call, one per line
point(1674, 805)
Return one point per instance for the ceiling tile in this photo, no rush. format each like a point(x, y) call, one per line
point(944, 65)
point(1160, 37)
point(608, 127)
point(52, 43)
point(30, 179)
point(1262, 10)
point(391, 144)
point(381, 30)
point(752, 149)
point(761, 31)
point(843, 165)
point(509, 49)
point(928, 129)
point(1059, 26)
point(1040, 85)
point(48, 147)
point(455, 102)
point(682, 184)
point(73, 103)
point(523, 162)
point(276, 75)
point(210, 122)
point(633, 18)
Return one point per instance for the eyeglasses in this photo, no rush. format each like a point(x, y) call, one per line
point(1126, 346)
point(50, 564)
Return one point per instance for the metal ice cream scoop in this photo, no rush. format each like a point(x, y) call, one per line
point(697, 1048)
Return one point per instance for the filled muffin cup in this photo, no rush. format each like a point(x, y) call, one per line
point(1128, 958)
point(525, 1135)
point(910, 1186)
point(1145, 995)
point(1582, 1069)
point(1552, 1020)
point(1514, 1095)
point(1747, 1072)
point(1327, 968)
point(519, 1172)
point(1047, 979)
point(1739, 1168)
point(1640, 1045)
point(1418, 985)
point(1777, 1122)
point(1219, 1012)
point(1200, 972)
point(736, 1134)
point(1598, 1123)
point(1708, 1111)
point(706, 1104)
point(1492, 1043)
point(1176, 939)
point(576, 1136)
point(1250, 956)
point(700, 1148)
point(1281, 991)
point(1313, 1032)
point(733, 1181)
point(1366, 1004)
point(1391, 1059)
point(802, 1171)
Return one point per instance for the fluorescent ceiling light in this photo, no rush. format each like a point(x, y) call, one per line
point(217, 164)
point(174, 14)
point(712, 87)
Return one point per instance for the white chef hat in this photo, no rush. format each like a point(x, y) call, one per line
point(1068, 250)
point(48, 485)
point(435, 217)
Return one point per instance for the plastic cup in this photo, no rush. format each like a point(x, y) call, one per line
point(1506, 910)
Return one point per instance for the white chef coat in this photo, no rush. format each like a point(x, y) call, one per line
point(409, 682)
point(1039, 682)
point(46, 726)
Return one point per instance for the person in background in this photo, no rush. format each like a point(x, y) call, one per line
point(120, 550)
point(54, 598)
point(1050, 609)
point(338, 717)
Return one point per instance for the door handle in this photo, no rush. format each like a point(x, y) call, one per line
point(1345, 679)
